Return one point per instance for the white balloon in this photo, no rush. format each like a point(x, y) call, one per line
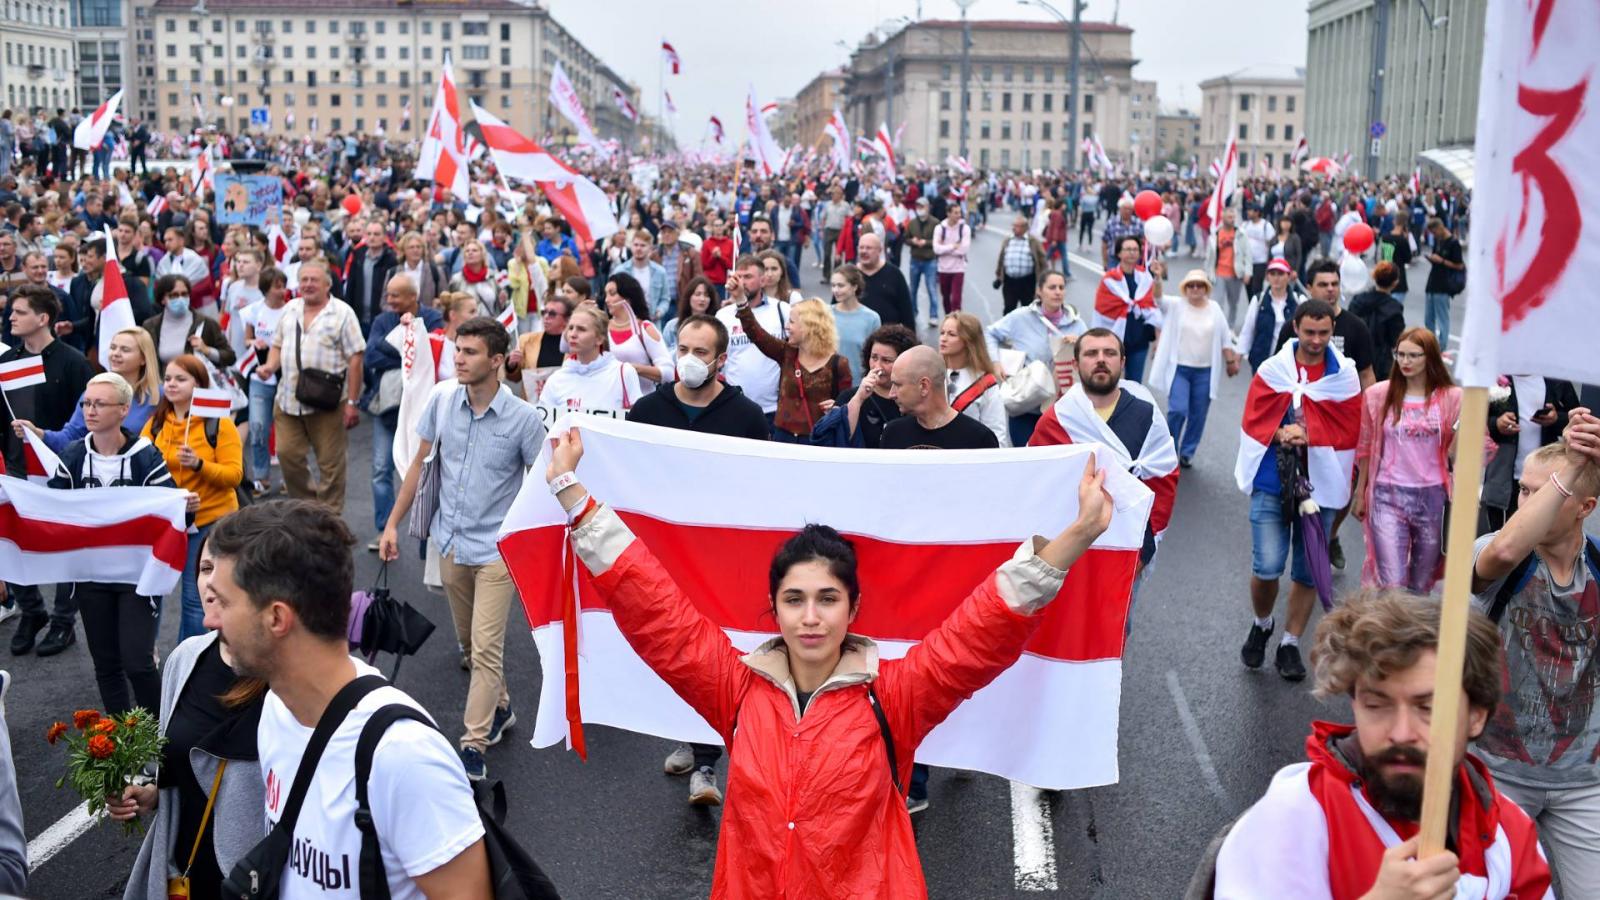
point(1158, 231)
point(1353, 274)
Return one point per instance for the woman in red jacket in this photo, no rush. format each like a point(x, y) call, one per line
point(813, 807)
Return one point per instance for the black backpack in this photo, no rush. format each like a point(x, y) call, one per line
point(1518, 577)
point(210, 428)
point(513, 875)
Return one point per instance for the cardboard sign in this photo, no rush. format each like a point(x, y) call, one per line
point(248, 199)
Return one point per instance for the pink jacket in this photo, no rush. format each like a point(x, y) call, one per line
point(952, 244)
point(1369, 452)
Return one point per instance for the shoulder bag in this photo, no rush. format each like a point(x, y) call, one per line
point(316, 388)
point(426, 502)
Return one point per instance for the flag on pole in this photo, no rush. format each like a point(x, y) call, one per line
point(115, 535)
point(20, 373)
point(921, 563)
point(40, 462)
point(1416, 181)
point(670, 56)
point(116, 310)
point(767, 153)
point(246, 364)
point(564, 97)
point(92, 130)
point(278, 243)
point(769, 108)
point(883, 145)
point(508, 320)
point(156, 206)
point(840, 132)
point(211, 403)
point(1302, 151)
point(1330, 408)
point(624, 105)
point(288, 120)
point(672, 108)
point(314, 128)
point(199, 108)
point(959, 163)
point(1227, 184)
point(580, 201)
point(443, 156)
point(405, 115)
point(718, 135)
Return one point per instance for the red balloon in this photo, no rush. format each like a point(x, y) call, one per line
point(1147, 204)
point(1358, 238)
point(352, 204)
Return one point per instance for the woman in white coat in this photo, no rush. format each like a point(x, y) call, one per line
point(973, 389)
point(591, 379)
point(1195, 347)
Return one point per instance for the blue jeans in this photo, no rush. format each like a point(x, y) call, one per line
point(1021, 428)
point(1272, 540)
point(191, 619)
point(1133, 369)
point(383, 430)
point(925, 273)
point(1437, 318)
point(102, 164)
point(1187, 404)
point(261, 397)
point(790, 251)
point(918, 789)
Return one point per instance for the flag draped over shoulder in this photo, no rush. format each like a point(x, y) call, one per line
point(1331, 408)
point(921, 553)
point(118, 535)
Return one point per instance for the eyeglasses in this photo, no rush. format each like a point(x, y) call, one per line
point(551, 314)
point(97, 405)
point(1402, 356)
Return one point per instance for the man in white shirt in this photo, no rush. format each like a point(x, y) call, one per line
point(1258, 234)
point(747, 367)
point(282, 583)
point(180, 260)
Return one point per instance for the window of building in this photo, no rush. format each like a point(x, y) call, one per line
point(1244, 161)
point(505, 101)
point(1048, 100)
point(1005, 102)
point(1244, 102)
point(1005, 130)
point(1044, 133)
point(288, 51)
point(471, 52)
point(988, 73)
point(983, 158)
point(383, 100)
point(311, 79)
point(1088, 103)
point(986, 102)
point(1244, 131)
point(1044, 155)
point(427, 27)
point(288, 98)
point(172, 25)
point(380, 52)
point(1288, 132)
point(1286, 160)
point(945, 71)
point(1027, 103)
point(944, 128)
point(1271, 131)
point(333, 52)
point(1272, 103)
point(1006, 73)
point(172, 51)
point(311, 52)
point(474, 29)
point(1088, 129)
point(172, 98)
point(505, 31)
point(382, 77)
point(427, 53)
point(194, 26)
point(172, 123)
point(405, 79)
point(333, 26)
point(505, 56)
point(379, 27)
point(216, 51)
point(286, 26)
point(445, 31)
point(1049, 75)
point(311, 26)
point(338, 124)
point(1005, 158)
point(1027, 74)
point(1027, 131)
point(238, 26)
point(311, 99)
point(335, 98)
point(361, 99)
point(983, 129)
point(1288, 103)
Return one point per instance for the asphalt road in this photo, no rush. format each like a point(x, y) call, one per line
point(1200, 735)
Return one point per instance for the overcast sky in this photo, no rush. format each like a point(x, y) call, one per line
point(783, 44)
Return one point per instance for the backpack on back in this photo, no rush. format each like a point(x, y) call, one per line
point(1518, 577)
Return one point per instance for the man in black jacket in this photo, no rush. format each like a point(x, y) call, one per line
point(33, 313)
point(697, 401)
point(368, 272)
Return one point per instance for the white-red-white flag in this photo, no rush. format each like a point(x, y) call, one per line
point(116, 310)
point(1416, 181)
point(666, 99)
point(670, 57)
point(564, 97)
point(114, 535)
point(278, 243)
point(288, 119)
point(156, 206)
point(92, 130)
point(199, 107)
point(839, 130)
point(718, 135)
point(20, 373)
point(1330, 409)
point(508, 320)
point(580, 201)
point(1302, 150)
point(211, 403)
point(883, 145)
point(921, 553)
point(768, 155)
point(38, 460)
point(443, 157)
point(624, 105)
point(1227, 184)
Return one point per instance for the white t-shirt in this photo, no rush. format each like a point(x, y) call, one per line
point(604, 384)
point(421, 801)
point(1259, 235)
point(235, 297)
point(264, 320)
point(748, 368)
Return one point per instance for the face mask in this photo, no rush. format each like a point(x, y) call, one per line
point(177, 305)
point(693, 371)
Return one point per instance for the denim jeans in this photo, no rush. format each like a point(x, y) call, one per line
point(1273, 541)
point(191, 619)
point(1436, 318)
point(1187, 404)
point(925, 274)
point(1021, 428)
point(790, 251)
point(261, 396)
point(383, 430)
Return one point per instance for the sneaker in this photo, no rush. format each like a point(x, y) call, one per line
point(260, 488)
point(1290, 668)
point(59, 638)
point(28, 628)
point(9, 609)
point(466, 662)
point(1254, 651)
point(503, 719)
point(1185, 462)
point(472, 761)
point(1336, 554)
point(680, 761)
point(373, 547)
point(915, 805)
point(703, 790)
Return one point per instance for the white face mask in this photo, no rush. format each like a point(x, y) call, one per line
point(693, 371)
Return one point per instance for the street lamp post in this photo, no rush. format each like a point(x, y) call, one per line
point(1074, 39)
point(966, 72)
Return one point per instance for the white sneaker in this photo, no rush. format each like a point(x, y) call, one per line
point(9, 609)
point(5, 686)
point(680, 761)
point(703, 790)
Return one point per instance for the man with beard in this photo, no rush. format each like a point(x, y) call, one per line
point(1344, 823)
point(1103, 408)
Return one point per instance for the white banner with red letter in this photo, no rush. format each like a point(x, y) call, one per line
point(921, 553)
point(118, 535)
point(1530, 306)
point(564, 97)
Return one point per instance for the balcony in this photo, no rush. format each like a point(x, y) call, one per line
point(265, 37)
point(35, 70)
point(356, 38)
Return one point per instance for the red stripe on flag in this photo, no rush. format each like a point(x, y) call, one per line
point(20, 369)
point(906, 589)
point(210, 407)
point(1263, 411)
point(167, 544)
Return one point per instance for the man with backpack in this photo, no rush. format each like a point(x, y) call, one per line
point(1538, 579)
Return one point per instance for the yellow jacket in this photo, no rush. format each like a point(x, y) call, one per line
point(221, 467)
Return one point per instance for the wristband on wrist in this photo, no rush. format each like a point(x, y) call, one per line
point(1560, 488)
point(562, 482)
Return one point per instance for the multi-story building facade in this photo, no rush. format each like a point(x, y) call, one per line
point(365, 65)
point(814, 104)
point(1431, 66)
point(1177, 135)
point(39, 65)
point(1263, 107)
point(100, 31)
point(1019, 112)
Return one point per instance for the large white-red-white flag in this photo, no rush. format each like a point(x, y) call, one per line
point(1534, 207)
point(117, 535)
point(564, 97)
point(768, 155)
point(38, 460)
point(92, 130)
point(669, 56)
point(1329, 408)
point(443, 157)
point(839, 130)
point(1227, 184)
point(921, 553)
point(884, 147)
point(624, 105)
point(116, 310)
point(1302, 151)
point(580, 201)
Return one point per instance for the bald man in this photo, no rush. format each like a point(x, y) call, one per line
point(887, 293)
point(917, 383)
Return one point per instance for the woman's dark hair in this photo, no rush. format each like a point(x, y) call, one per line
point(684, 312)
point(580, 286)
point(816, 543)
point(893, 335)
point(164, 286)
point(628, 288)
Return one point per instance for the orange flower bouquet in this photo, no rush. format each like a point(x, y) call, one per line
point(104, 753)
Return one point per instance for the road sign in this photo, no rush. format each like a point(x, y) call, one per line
point(260, 116)
point(1379, 130)
point(1377, 146)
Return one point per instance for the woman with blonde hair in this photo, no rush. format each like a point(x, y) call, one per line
point(414, 262)
point(591, 379)
point(528, 283)
point(133, 356)
point(973, 388)
point(810, 369)
point(477, 277)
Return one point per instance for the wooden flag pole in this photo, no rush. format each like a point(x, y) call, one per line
point(1448, 696)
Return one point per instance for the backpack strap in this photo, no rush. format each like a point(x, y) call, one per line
point(374, 881)
point(1514, 581)
point(338, 708)
point(210, 428)
point(888, 739)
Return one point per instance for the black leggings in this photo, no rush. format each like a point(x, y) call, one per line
point(120, 628)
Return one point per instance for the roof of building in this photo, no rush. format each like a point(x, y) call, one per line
point(1024, 25)
point(1272, 72)
point(331, 6)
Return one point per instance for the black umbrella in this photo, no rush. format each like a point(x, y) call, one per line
point(381, 624)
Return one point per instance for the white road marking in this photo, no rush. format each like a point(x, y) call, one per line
point(1033, 844)
point(1197, 743)
point(56, 838)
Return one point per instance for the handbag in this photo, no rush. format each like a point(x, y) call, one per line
point(178, 886)
point(1026, 390)
point(426, 502)
point(257, 875)
point(316, 388)
point(1454, 281)
point(391, 385)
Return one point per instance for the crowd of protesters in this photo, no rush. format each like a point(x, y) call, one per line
point(692, 317)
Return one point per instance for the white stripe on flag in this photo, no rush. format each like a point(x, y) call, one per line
point(119, 535)
point(21, 373)
point(211, 403)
